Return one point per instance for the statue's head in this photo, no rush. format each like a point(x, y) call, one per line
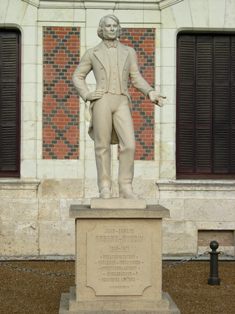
point(109, 27)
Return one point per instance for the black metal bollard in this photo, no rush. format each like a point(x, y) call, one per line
point(214, 279)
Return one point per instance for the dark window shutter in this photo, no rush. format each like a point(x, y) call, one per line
point(205, 105)
point(232, 103)
point(221, 106)
point(186, 97)
point(9, 103)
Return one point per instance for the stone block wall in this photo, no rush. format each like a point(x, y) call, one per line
point(19, 226)
point(56, 229)
point(57, 156)
point(195, 207)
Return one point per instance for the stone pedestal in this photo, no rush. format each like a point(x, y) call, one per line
point(118, 262)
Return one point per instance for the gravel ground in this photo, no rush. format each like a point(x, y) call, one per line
point(36, 287)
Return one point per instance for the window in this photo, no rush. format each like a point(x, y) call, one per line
point(9, 103)
point(205, 105)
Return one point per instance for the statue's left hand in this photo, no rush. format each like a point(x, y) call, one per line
point(156, 98)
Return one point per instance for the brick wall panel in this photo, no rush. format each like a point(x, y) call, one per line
point(143, 41)
point(60, 101)
point(61, 48)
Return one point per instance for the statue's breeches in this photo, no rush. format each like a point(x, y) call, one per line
point(108, 112)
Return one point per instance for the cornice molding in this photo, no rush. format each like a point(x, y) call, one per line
point(19, 184)
point(168, 3)
point(103, 4)
point(196, 185)
point(34, 3)
point(100, 4)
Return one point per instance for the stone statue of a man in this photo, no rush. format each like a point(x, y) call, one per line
point(111, 121)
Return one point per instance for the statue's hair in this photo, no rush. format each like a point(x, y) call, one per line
point(100, 30)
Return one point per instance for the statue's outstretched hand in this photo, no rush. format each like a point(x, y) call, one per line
point(156, 98)
point(97, 94)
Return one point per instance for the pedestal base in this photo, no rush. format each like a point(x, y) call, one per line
point(68, 305)
point(118, 203)
point(118, 262)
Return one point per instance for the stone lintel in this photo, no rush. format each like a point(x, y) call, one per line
point(150, 212)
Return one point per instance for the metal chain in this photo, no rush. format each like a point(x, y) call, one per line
point(186, 260)
point(36, 271)
point(227, 255)
point(68, 274)
point(204, 254)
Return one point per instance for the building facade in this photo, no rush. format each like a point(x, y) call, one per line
point(185, 152)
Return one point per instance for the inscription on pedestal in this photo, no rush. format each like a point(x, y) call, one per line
point(119, 258)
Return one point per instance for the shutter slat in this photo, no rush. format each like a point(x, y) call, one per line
point(9, 58)
point(221, 60)
point(221, 149)
point(203, 149)
point(233, 150)
point(186, 156)
point(8, 103)
point(204, 105)
point(204, 60)
point(186, 54)
point(8, 141)
point(186, 98)
point(221, 105)
point(203, 110)
point(232, 110)
point(204, 76)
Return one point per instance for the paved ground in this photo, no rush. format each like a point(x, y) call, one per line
point(35, 287)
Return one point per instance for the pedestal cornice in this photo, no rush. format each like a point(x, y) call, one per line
point(151, 212)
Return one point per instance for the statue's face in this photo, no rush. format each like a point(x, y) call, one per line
point(110, 29)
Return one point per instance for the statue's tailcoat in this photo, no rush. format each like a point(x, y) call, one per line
point(96, 60)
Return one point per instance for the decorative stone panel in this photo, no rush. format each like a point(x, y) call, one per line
point(61, 48)
point(143, 41)
point(60, 100)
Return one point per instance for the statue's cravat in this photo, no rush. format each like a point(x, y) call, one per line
point(111, 43)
